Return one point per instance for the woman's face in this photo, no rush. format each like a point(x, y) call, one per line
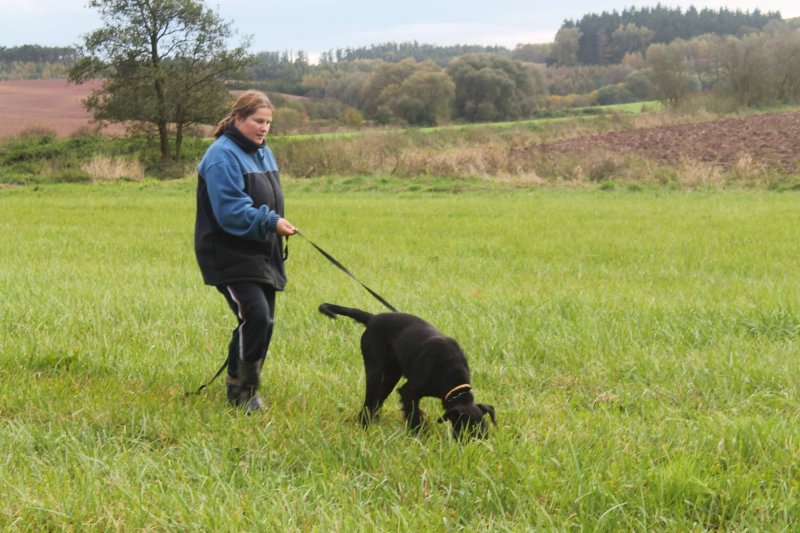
point(256, 126)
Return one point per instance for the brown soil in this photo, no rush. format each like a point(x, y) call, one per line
point(771, 140)
point(51, 105)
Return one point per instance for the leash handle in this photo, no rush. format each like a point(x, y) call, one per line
point(341, 267)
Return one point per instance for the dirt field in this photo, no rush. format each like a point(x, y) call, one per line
point(770, 140)
point(53, 105)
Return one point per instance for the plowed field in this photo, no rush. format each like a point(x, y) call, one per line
point(53, 105)
point(772, 140)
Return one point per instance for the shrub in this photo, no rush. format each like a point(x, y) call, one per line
point(288, 120)
point(353, 117)
point(614, 94)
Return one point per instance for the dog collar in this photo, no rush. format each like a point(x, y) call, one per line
point(457, 388)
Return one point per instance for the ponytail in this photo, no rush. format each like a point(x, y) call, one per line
point(222, 125)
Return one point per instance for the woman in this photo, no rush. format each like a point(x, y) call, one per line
point(238, 235)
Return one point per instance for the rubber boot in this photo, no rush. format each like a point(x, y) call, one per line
point(232, 384)
point(249, 379)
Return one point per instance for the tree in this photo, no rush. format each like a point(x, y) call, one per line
point(424, 98)
point(565, 47)
point(629, 38)
point(491, 87)
point(669, 72)
point(786, 55)
point(744, 66)
point(164, 62)
point(385, 82)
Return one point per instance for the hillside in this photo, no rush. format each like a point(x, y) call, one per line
point(53, 105)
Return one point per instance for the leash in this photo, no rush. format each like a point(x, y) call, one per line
point(336, 263)
point(210, 381)
point(341, 267)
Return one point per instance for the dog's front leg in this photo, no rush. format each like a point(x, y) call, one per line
point(410, 401)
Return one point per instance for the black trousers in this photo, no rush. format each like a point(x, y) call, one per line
point(254, 307)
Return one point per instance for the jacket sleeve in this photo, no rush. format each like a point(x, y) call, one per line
point(233, 208)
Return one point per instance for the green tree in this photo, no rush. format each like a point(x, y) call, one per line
point(164, 62)
point(424, 98)
point(384, 83)
point(628, 39)
point(491, 87)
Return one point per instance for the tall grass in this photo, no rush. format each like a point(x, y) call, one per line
point(521, 152)
point(641, 350)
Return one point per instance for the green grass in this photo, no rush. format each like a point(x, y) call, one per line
point(640, 348)
point(577, 115)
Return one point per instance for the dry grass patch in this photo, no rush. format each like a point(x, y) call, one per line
point(105, 168)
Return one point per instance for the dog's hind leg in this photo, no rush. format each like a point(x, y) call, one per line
point(372, 400)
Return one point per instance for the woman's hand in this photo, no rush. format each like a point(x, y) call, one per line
point(284, 228)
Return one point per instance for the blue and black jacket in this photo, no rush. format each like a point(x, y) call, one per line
point(239, 203)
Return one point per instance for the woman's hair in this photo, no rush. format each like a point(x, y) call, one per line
point(248, 103)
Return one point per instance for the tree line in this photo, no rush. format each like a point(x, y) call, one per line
point(32, 61)
point(394, 52)
point(66, 55)
point(605, 38)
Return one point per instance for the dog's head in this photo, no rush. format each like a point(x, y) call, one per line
point(468, 419)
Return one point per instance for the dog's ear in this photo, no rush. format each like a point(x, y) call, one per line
point(486, 408)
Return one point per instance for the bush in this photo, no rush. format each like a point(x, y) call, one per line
point(287, 120)
point(353, 117)
point(614, 94)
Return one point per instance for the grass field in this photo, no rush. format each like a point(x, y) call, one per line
point(640, 349)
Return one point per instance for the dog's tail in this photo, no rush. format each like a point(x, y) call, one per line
point(332, 310)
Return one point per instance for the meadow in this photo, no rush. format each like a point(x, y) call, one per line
point(640, 348)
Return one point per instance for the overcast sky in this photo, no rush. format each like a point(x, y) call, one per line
point(315, 26)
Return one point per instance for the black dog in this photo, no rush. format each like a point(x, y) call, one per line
point(398, 344)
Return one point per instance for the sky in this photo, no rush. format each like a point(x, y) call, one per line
point(316, 26)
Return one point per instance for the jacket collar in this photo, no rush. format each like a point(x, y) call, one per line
point(243, 142)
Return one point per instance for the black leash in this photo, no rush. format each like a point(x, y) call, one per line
point(337, 264)
point(199, 390)
point(341, 267)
